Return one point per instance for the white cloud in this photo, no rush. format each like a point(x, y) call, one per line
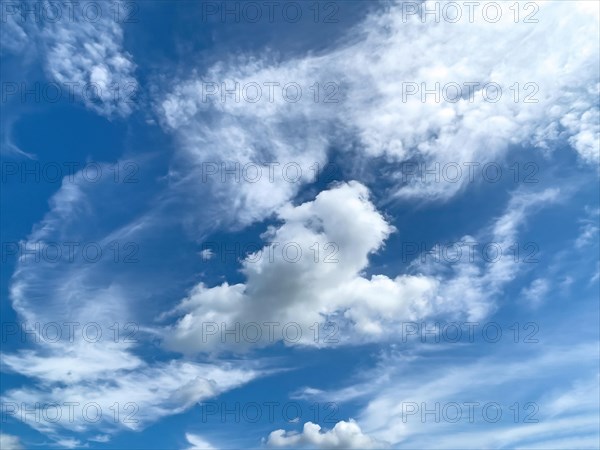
point(77, 369)
point(302, 290)
point(579, 429)
point(143, 395)
point(373, 118)
point(77, 52)
point(536, 292)
point(70, 443)
point(576, 398)
point(198, 442)
point(92, 53)
point(207, 254)
point(581, 442)
point(589, 230)
point(569, 412)
point(109, 372)
point(9, 442)
point(14, 37)
point(342, 217)
point(370, 72)
point(343, 435)
point(100, 438)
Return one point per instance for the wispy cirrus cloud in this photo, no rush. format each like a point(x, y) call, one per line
point(103, 369)
point(403, 405)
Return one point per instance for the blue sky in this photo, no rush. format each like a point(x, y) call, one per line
point(300, 225)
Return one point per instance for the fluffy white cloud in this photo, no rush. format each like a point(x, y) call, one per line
point(342, 435)
point(286, 285)
point(287, 282)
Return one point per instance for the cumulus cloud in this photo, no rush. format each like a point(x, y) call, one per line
point(288, 283)
point(342, 435)
point(346, 227)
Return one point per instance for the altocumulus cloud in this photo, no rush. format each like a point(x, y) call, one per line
point(392, 51)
